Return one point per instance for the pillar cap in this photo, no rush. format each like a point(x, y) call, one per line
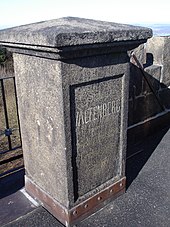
point(71, 31)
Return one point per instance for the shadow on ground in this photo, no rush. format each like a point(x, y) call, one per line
point(138, 155)
point(11, 183)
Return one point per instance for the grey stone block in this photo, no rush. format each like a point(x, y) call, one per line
point(40, 101)
point(155, 46)
point(166, 62)
point(140, 53)
point(72, 78)
point(71, 31)
point(159, 47)
point(153, 75)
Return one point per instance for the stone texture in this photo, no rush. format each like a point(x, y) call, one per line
point(73, 108)
point(73, 31)
point(46, 133)
point(140, 53)
point(155, 46)
point(166, 62)
point(159, 48)
point(42, 129)
point(98, 125)
point(153, 74)
point(95, 84)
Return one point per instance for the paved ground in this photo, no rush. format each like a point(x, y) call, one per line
point(145, 204)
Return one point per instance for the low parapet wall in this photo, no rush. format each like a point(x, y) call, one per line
point(149, 92)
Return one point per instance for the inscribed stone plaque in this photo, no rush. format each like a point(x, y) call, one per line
point(96, 110)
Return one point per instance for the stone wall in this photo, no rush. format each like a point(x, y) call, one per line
point(149, 93)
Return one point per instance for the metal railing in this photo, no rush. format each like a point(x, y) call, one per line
point(10, 138)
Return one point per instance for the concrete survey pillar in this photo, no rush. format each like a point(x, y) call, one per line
point(72, 80)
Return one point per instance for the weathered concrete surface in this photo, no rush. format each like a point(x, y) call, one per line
point(73, 109)
point(166, 63)
point(155, 76)
point(42, 128)
point(73, 31)
point(96, 83)
point(46, 133)
point(155, 46)
point(140, 53)
point(159, 48)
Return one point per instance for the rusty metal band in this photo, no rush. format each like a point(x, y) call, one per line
point(82, 210)
point(95, 201)
point(56, 209)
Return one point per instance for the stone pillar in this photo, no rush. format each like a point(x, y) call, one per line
point(72, 82)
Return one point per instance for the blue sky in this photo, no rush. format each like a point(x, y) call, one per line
point(18, 12)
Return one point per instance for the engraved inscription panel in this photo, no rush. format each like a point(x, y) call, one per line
point(97, 112)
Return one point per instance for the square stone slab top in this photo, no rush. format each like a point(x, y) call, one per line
point(71, 31)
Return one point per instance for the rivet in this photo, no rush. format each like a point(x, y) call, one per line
point(86, 205)
point(111, 190)
point(121, 184)
point(75, 212)
point(99, 198)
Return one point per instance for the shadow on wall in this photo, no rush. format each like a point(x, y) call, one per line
point(148, 96)
point(11, 183)
point(149, 116)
